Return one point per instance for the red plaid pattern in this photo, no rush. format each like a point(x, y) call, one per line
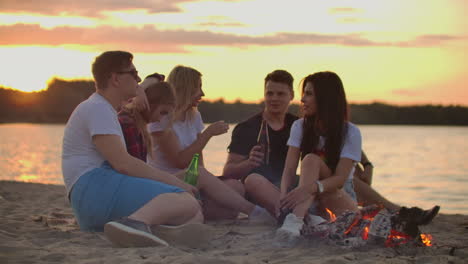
point(133, 137)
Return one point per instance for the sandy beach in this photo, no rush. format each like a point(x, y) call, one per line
point(36, 226)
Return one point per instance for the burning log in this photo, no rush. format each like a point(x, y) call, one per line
point(371, 224)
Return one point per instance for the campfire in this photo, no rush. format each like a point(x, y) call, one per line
point(371, 224)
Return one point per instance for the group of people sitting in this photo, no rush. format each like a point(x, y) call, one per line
point(126, 148)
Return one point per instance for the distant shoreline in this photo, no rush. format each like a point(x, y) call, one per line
point(55, 105)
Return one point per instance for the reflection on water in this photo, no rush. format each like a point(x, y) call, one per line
point(31, 152)
point(414, 165)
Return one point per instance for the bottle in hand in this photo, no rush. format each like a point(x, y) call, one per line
point(264, 142)
point(191, 175)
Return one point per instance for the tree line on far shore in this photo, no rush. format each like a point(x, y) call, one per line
point(56, 103)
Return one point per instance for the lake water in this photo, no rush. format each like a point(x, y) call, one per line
point(414, 165)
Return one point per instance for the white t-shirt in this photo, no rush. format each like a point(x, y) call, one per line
point(94, 116)
point(352, 145)
point(186, 131)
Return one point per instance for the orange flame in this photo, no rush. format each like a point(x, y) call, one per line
point(397, 238)
point(331, 214)
point(355, 222)
point(365, 233)
point(426, 239)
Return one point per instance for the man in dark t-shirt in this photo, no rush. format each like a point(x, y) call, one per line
point(259, 165)
point(261, 175)
point(244, 138)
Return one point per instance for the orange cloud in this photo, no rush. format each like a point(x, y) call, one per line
point(90, 8)
point(150, 39)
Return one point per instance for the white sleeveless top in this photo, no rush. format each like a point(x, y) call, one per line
point(186, 131)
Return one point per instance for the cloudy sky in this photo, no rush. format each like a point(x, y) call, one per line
point(394, 51)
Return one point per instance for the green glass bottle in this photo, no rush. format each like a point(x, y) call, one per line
point(191, 175)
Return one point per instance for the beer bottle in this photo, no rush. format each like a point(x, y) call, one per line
point(263, 141)
point(191, 175)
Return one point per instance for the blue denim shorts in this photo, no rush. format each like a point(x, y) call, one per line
point(102, 195)
point(349, 189)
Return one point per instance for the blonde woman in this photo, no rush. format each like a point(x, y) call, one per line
point(176, 141)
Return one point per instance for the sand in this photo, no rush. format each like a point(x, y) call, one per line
point(36, 226)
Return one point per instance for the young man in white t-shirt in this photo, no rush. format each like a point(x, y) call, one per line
point(109, 189)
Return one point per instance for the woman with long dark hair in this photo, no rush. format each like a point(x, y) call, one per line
point(328, 146)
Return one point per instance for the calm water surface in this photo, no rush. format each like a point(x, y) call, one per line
point(414, 165)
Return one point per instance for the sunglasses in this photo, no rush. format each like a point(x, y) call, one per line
point(134, 73)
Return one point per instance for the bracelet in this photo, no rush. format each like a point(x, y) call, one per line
point(319, 186)
point(368, 163)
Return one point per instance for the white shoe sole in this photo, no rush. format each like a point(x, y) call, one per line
point(123, 236)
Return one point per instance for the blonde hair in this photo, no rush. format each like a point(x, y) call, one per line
point(157, 94)
point(185, 81)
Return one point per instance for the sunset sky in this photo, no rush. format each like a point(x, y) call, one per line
point(394, 51)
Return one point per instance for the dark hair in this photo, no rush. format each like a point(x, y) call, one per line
point(107, 63)
point(156, 75)
point(280, 76)
point(157, 94)
point(331, 115)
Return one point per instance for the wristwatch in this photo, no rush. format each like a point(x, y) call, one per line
point(319, 186)
point(368, 163)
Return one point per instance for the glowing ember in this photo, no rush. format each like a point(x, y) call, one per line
point(365, 233)
point(355, 222)
point(426, 239)
point(331, 215)
point(397, 238)
point(369, 225)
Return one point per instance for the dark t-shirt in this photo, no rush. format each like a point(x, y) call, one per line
point(244, 138)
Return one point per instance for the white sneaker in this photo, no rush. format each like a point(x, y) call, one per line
point(291, 227)
point(315, 220)
point(261, 216)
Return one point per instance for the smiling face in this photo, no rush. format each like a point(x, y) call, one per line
point(197, 96)
point(308, 100)
point(277, 97)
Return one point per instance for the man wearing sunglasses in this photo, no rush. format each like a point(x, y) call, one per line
point(109, 190)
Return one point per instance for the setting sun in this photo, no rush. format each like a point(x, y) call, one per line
point(392, 51)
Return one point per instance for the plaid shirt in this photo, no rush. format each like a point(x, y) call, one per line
point(133, 137)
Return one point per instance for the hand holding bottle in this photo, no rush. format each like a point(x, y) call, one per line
point(192, 190)
point(191, 176)
point(256, 156)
